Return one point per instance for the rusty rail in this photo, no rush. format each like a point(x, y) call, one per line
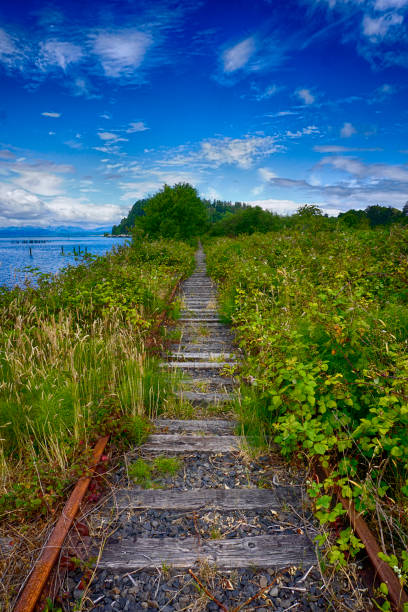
point(42, 569)
point(396, 591)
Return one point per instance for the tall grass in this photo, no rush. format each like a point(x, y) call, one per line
point(73, 366)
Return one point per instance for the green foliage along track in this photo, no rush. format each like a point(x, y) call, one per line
point(73, 366)
point(323, 320)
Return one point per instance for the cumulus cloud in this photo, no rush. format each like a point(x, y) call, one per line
point(306, 96)
point(18, 204)
point(347, 130)
point(137, 126)
point(36, 193)
point(121, 52)
point(53, 115)
point(238, 56)
point(39, 182)
point(64, 209)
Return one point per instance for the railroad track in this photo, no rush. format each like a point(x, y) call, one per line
point(224, 531)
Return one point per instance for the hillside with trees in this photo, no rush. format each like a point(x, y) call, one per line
point(178, 212)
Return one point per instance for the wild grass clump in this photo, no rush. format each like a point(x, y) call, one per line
point(147, 473)
point(73, 366)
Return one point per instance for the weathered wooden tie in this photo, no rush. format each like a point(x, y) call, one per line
point(275, 552)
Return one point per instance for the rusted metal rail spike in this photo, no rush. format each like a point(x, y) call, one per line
point(42, 569)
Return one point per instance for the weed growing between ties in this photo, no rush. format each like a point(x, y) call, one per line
point(73, 366)
point(147, 473)
point(322, 318)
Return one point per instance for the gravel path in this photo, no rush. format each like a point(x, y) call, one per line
point(202, 586)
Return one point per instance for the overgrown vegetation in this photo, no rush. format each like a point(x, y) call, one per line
point(323, 320)
point(73, 366)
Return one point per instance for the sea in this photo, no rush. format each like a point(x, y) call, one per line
point(22, 259)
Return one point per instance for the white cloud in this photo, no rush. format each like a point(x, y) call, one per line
point(64, 209)
point(147, 181)
point(58, 53)
point(238, 151)
point(111, 137)
point(38, 182)
point(266, 174)
point(306, 131)
point(347, 130)
point(211, 194)
point(374, 172)
point(377, 28)
point(238, 56)
point(18, 204)
point(367, 184)
point(33, 193)
point(121, 52)
point(10, 54)
point(40, 178)
point(137, 126)
point(6, 154)
point(282, 207)
point(386, 5)
point(53, 115)
point(340, 149)
point(282, 114)
point(140, 189)
point(306, 96)
point(81, 87)
point(288, 207)
point(268, 92)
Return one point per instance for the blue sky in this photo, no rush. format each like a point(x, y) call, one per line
point(273, 102)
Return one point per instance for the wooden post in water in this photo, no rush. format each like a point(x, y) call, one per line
point(62, 250)
point(31, 254)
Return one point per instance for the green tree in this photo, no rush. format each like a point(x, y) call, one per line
point(354, 218)
point(174, 212)
point(309, 210)
point(247, 221)
point(382, 215)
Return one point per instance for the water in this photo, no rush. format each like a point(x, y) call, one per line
point(46, 255)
